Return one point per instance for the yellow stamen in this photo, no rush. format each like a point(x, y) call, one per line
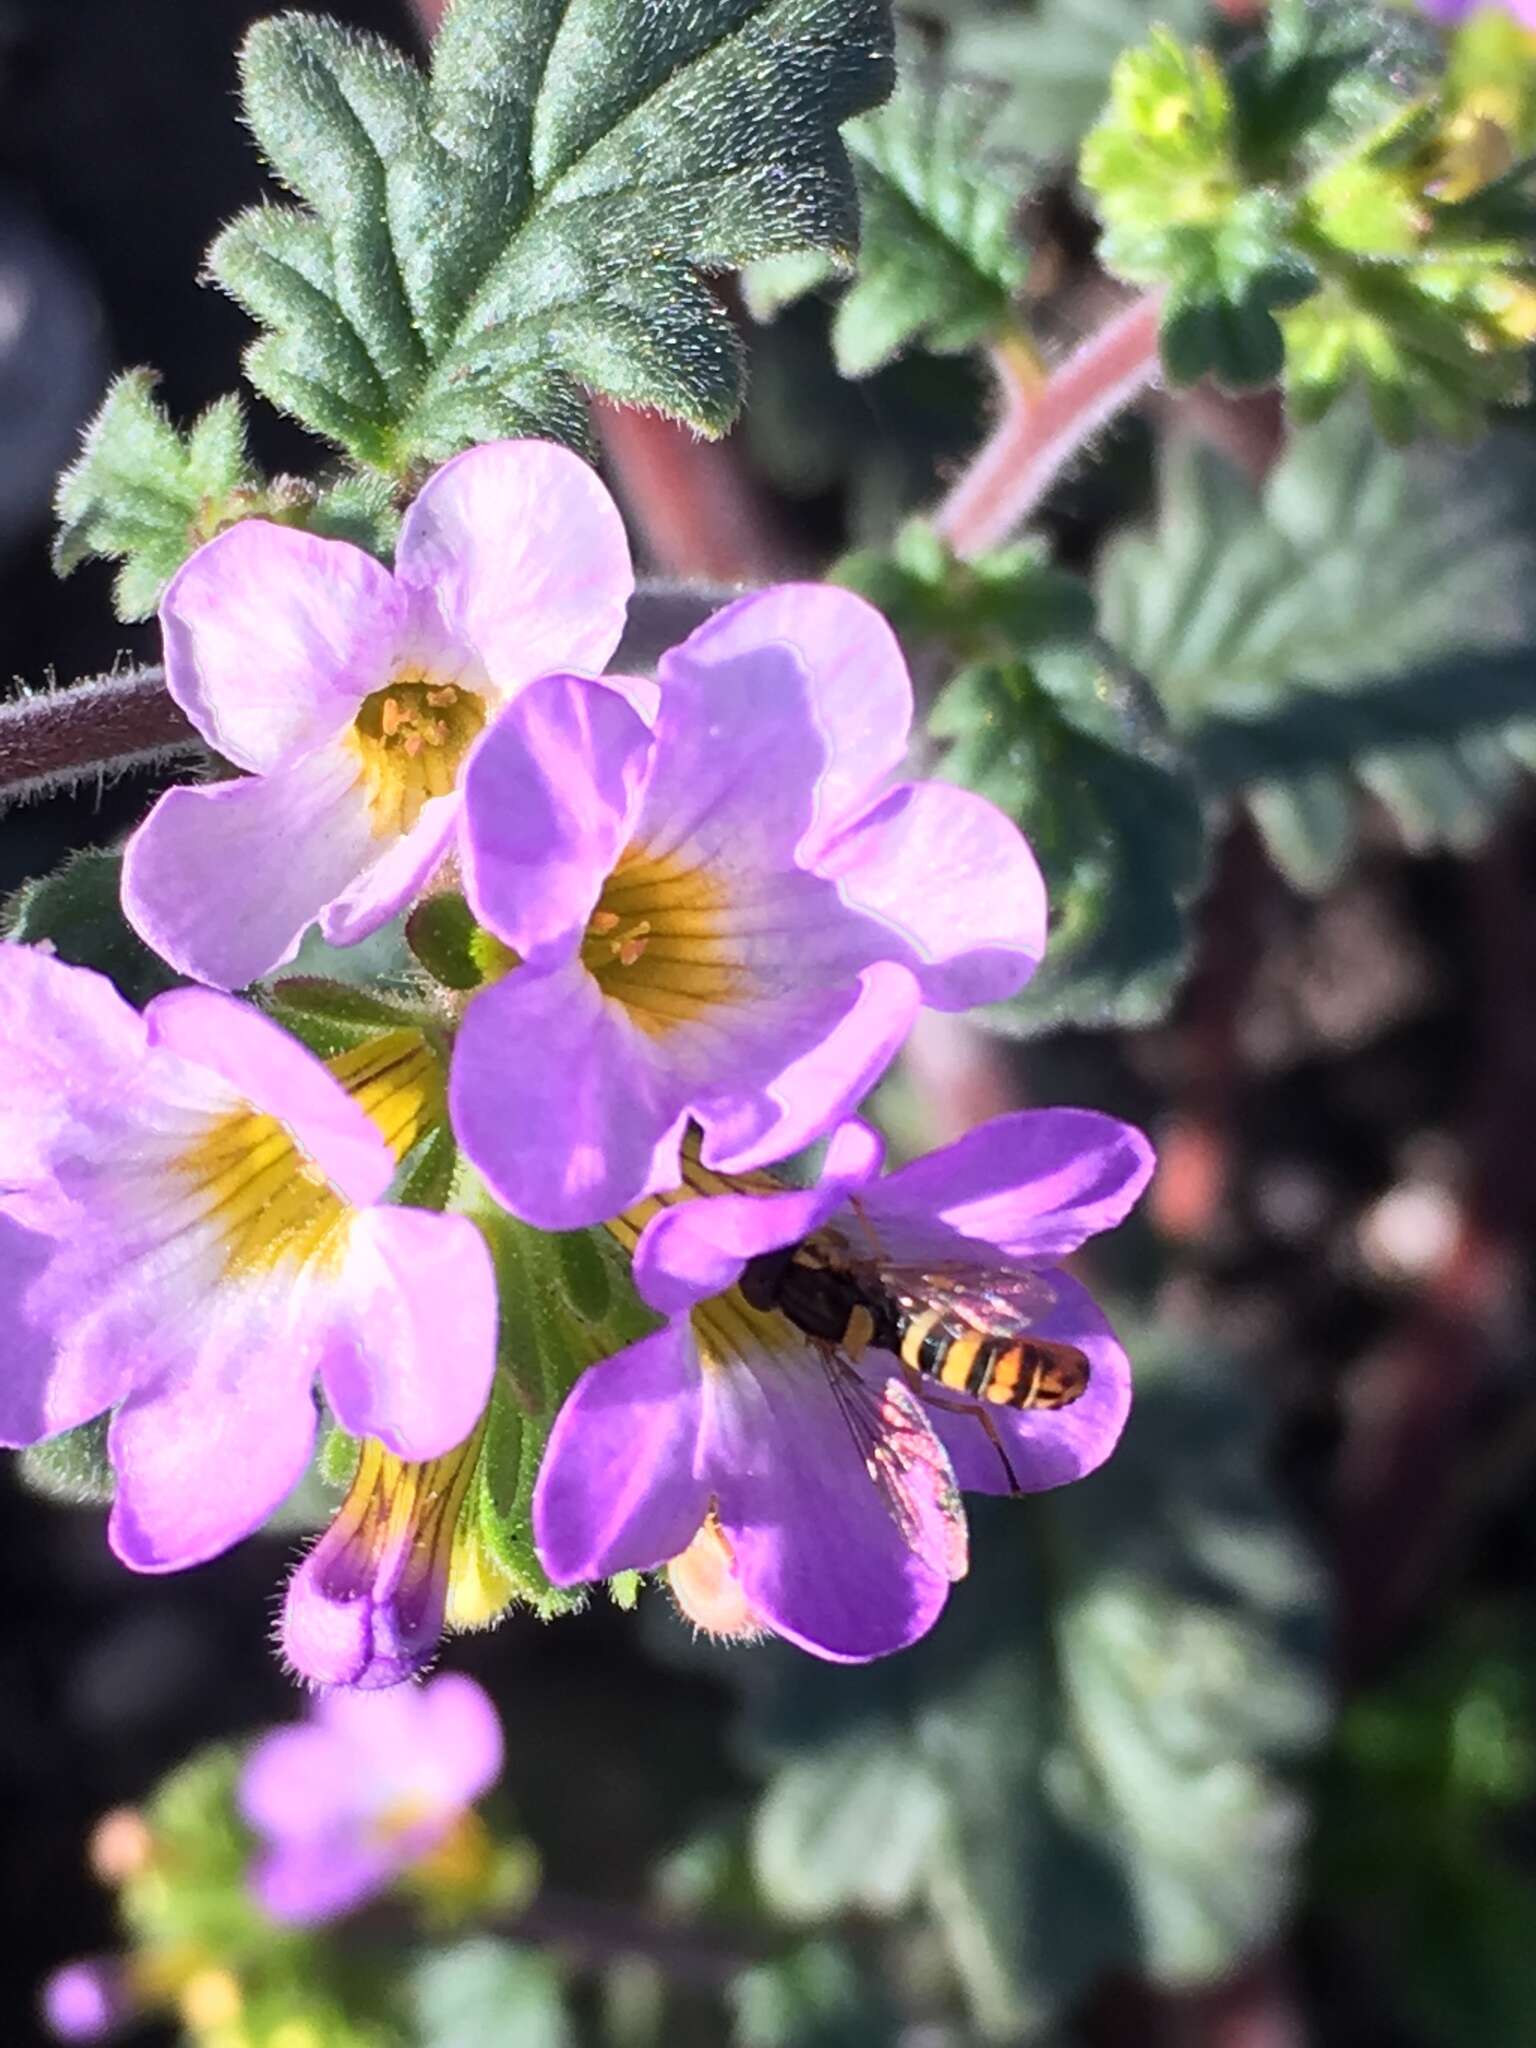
point(657, 942)
point(411, 739)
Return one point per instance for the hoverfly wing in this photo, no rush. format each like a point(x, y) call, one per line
point(994, 1301)
point(908, 1466)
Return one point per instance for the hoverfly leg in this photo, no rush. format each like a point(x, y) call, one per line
point(924, 1390)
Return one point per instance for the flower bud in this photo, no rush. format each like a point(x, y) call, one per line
point(366, 1607)
point(705, 1586)
point(88, 2000)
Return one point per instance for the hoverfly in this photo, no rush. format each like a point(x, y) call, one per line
point(964, 1327)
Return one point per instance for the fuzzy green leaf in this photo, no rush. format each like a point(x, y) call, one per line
point(1362, 624)
point(535, 221)
point(73, 1468)
point(940, 254)
point(485, 1993)
point(1067, 744)
point(1087, 1765)
point(142, 494)
point(566, 1301)
point(1054, 61)
point(78, 913)
point(1041, 719)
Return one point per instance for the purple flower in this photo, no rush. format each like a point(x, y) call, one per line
point(1451, 12)
point(192, 1228)
point(366, 1607)
point(824, 1474)
point(731, 916)
point(88, 2000)
point(371, 1784)
point(352, 696)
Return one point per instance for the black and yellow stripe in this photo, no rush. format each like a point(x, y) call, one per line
point(1013, 1372)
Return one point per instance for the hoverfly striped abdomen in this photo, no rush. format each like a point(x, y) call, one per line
point(968, 1332)
point(992, 1365)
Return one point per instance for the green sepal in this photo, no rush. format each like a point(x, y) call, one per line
point(144, 495)
point(332, 1017)
point(441, 932)
point(77, 910)
point(478, 249)
point(566, 1300)
point(427, 1173)
point(72, 1468)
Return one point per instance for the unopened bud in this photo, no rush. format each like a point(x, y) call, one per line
point(705, 1586)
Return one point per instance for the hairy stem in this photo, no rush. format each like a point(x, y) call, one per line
point(1043, 425)
point(52, 739)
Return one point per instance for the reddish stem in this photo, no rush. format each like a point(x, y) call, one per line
point(1043, 426)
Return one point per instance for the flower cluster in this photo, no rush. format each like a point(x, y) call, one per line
point(706, 909)
point(239, 1859)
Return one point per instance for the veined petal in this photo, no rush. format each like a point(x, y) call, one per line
point(550, 795)
point(401, 868)
point(696, 1249)
point(205, 1450)
point(72, 1047)
point(858, 686)
point(272, 1072)
point(273, 638)
point(1044, 1447)
point(46, 1385)
point(746, 1128)
point(955, 879)
point(525, 556)
point(618, 1489)
point(817, 1549)
point(411, 1341)
point(739, 755)
point(224, 881)
point(560, 1100)
point(1032, 1185)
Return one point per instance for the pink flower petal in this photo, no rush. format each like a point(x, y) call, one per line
point(274, 637)
point(273, 1072)
point(525, 557)
point(411, 1314)
point(955, 879)
point(858, 682)
point(618, 1489)
point(224, 881)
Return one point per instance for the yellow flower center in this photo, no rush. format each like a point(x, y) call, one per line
point(268, 1201)
point(656, 942)
point(411, 739)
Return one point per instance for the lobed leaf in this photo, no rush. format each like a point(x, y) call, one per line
point(142, 494)
point(940, 254)
point(478, 250)
point(1361, 625)
point(1046, 723)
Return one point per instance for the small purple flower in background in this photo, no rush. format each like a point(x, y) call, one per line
point(89, 2000)
point(730, 917)
point(351, 696)
point(1452, 12)
point(371, 1784)
point(826, 1475)
point(192, 1230)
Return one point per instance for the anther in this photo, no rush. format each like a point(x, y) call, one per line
point(392, 717)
